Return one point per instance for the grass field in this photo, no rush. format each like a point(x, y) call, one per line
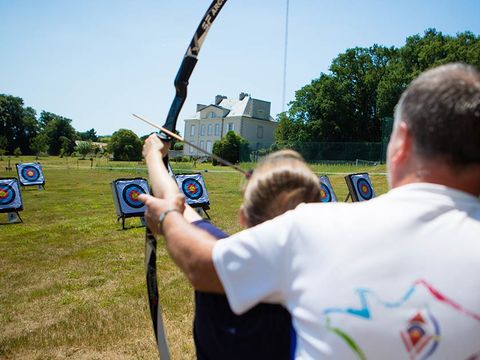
point(72, 282)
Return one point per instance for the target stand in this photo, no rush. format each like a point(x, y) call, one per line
point(125, 198)
point(326, 190)
point(193, 187)
point(359, 187)
point(11, 199)
point(31, 174)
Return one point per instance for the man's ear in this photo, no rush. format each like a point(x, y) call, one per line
point(243, 217)
point(401, 146)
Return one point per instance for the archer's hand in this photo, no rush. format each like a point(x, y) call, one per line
point(156, 206)
point(153, 144)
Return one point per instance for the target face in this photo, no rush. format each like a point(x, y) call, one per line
point(325, 195)
point(193, 187)
point(364, 189)
point(125, 196)
point(10, 196)
point(30, 174)
point(326, 191)
point(360, 187)
point(130, 195)
point(7, 194)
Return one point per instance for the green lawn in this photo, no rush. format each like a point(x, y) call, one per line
point(73, 283)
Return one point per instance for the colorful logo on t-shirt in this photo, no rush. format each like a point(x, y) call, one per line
point(420, 334)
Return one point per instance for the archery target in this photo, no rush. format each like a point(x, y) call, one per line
point(10, 196)
point(360, 187)
point(130, 195)
point(194, 189)
point(326, 190)
point(125, 195)
point(30, 174)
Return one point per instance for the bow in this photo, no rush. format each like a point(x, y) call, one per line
point(181, 83)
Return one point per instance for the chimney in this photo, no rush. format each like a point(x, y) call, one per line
point(242, 96)
point(219, 98)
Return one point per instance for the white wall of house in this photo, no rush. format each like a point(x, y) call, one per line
point(248, 117)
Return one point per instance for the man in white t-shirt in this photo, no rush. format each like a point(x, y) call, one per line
point(396, 277)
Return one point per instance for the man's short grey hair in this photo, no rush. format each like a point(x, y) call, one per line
point(442, 110)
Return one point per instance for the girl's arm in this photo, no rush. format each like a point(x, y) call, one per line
point(163, 186)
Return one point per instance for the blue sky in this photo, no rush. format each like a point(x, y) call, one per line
point(98, 61)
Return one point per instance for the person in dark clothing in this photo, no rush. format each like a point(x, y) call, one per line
point(279, 184)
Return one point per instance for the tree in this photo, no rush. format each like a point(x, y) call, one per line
point(363, 87)
point(17, 152)
point(17, 123)
point(39, 144)
point(84, 148)
point(125, 145)
point(3, 146)
point(60, 133)
point(88, 135)
point(230, 147)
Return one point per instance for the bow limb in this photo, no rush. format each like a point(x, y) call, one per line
point(181, 83)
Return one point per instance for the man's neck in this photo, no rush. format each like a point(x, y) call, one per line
point(463, 179)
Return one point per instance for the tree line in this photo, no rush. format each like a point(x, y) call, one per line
point(23, 133)
point(363, 86)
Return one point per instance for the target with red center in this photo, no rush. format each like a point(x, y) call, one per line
point(7, 194)
point(326, 191)
point(360, 187)
point(125, 196)
point(193, 187)
point(30, 174)
point(364, 189)
point(10, 196)
point(130, 195)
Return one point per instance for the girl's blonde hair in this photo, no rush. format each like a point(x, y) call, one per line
point(281, 182)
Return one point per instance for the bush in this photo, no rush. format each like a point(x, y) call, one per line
point(230, 147)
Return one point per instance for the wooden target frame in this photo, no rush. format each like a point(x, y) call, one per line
point(11, 196)
point(125, 192)
point(326, 192)
point(360, 187)
point(30, 174)
point(193, 186)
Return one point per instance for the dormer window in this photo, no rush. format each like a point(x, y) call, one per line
point(211, 115)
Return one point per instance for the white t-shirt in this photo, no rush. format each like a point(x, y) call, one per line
point(396, 277)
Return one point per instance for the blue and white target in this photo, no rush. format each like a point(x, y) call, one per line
point(7, 194)
point(363, 187)
point(326, 190)
point(10, 196)
point(193, 187)
point(30, 174)
point(125, 195)
point(130, 195)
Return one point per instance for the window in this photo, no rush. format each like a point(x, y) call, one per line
point(211, 115)
point(192, 130)
point(202, 130)
point(217, 129)
point(191, 149)
point(231, 127)
point(209, 146)
point(202, 144)
point(259, 132)
point(209, 129)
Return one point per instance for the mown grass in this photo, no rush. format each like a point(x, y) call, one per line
point(73, 284)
